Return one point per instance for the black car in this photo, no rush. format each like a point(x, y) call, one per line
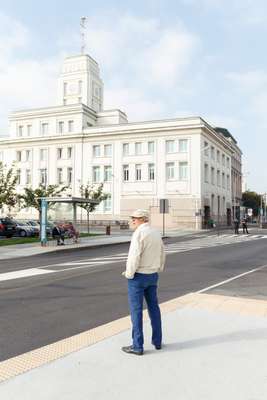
point(7, 227)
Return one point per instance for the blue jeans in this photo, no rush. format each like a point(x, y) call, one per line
point(144, 285)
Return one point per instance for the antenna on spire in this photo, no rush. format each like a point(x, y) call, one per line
point(83, 21)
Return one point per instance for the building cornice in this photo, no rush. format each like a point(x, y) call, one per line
point(51, 111)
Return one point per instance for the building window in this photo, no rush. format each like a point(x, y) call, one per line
point(183, 145)
point(138, 148)
point(150, 147)
point(44, 128)
point(183, 171)
point(28, 177)
point(79, 100)
point(70, 126)
point(228, 162)
point(96, 174)
point(80, 87)
point(151, 172)
point(59, 176)
point(69, 176)
point(108, 150)
point(223, 160)
point(228, 182)
point(65, 88)
point(43, 176)
point(170, 171)
point(126, 173)
point(138, 172)
point(69, 152)
point(18, 156)
point(20, 131)
point(212, 176)
point(218, 156)
point(27, 155)
point(96, 151)
point(212, 152)
point(206, 173)
point(206, 149)
point(29, 130)
point(61, 127)
point(43, 154)
point(125, 149)
point(218, 178)
point(107, 173)
point(107, 204)
point(18, 176)
point(59, 153)
point(169, 145)
point(223, 180)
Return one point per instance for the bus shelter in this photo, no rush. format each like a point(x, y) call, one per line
point(75, 201)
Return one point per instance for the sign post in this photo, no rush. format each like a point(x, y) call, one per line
point(164, 209)
point(43, 222)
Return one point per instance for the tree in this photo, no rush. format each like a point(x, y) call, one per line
point(92, 192)
point(8, 181)
point(31, 197)
point(252, 200)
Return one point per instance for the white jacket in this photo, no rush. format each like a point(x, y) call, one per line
point(146, 253)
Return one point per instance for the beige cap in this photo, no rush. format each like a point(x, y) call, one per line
point(140, 214)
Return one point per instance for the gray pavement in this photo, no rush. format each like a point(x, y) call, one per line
point(208, 354)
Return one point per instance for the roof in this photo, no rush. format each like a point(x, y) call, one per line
point(225, 133)
point(73, 200)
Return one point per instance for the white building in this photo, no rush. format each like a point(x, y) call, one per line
point(184, 160)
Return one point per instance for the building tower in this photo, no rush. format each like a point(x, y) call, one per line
point(80, 82)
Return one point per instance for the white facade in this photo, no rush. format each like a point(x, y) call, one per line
point(77, 142)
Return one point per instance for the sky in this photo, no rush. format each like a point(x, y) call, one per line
point(158, 59)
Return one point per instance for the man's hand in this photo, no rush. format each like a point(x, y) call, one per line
point(123, 273)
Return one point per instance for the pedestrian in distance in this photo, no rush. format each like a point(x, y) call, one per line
point(236, 225)
point(146, 259)
point(245, 226)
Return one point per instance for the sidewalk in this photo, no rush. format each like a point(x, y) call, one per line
point(215, 349)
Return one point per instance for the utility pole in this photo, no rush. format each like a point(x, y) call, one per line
point(261, 212)
point(83, 21)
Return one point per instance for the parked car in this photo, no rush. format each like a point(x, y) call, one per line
point(34, 225)
point(23, 229)
point(49, 226)
point(7, 227)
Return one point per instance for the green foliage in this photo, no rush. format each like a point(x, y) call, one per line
point(8, 182)
point(92, 192)
point(31, 197)
point(252, 200)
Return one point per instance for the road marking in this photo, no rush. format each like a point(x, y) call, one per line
point(231, 279)
point(24, 273)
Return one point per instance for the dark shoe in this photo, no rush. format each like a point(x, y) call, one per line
point(158, 347)
point(131, 350)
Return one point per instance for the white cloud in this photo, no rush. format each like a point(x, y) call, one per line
point(137, 56)
point(24, 82)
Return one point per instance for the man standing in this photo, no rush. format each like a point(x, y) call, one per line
point(145, 259)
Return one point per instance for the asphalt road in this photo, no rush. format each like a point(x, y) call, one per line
point(79, 290)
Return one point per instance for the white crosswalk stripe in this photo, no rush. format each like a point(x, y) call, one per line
point(210, 241)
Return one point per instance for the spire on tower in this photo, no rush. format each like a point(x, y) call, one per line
point(83, 22)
